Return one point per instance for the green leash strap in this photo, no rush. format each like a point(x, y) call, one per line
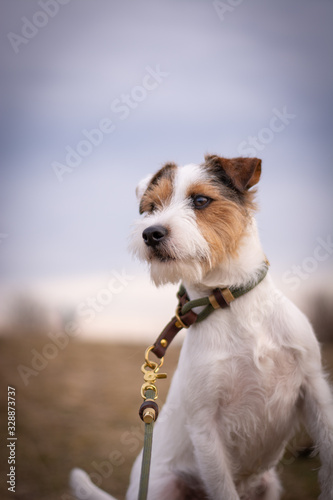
point(146, 454)
point(145, 468)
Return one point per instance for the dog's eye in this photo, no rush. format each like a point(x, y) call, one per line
point(200, 201)
point(146, 208)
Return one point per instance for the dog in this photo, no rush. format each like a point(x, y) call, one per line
point(250, 373)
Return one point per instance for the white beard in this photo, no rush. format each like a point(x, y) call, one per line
point(185, 252)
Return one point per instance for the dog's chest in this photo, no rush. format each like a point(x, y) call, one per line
point(245, 384)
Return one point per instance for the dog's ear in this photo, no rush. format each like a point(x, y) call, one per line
point(243, 172)
point(142, 186)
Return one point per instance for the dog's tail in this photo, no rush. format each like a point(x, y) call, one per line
point(84, 489)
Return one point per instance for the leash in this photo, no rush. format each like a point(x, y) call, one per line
point(147, 446)
point(220, 298)
point(148, 413)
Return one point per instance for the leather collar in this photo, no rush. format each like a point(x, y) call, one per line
point(220, 298)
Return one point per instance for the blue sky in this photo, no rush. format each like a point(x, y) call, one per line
point(223, 73)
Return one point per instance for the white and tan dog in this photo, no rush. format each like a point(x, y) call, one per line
point(249, 374)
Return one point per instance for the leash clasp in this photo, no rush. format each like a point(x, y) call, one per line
point(150, 374)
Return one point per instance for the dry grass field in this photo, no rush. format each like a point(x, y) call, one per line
point(79, 408)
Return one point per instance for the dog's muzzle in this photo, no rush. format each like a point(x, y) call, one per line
point(154, 235)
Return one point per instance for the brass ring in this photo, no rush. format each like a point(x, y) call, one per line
point(152, 364)
point(181, 324)
point(146, 387)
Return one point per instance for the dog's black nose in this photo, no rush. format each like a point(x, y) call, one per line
point(153, 235)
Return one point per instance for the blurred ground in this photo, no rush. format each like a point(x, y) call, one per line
point(80, 409)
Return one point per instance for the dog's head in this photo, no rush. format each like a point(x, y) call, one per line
point(194, 216)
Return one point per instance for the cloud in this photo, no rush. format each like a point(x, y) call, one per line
point(225, 80)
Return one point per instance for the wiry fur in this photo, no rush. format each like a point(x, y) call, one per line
point(247, 375)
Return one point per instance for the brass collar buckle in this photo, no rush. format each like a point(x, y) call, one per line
point(179, 323)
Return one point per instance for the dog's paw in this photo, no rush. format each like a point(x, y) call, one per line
point(84, 489)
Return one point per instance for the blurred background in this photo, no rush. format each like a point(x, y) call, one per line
point(95, 95)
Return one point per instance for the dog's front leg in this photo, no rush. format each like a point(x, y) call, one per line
point(318, 419)
point(212, 461)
